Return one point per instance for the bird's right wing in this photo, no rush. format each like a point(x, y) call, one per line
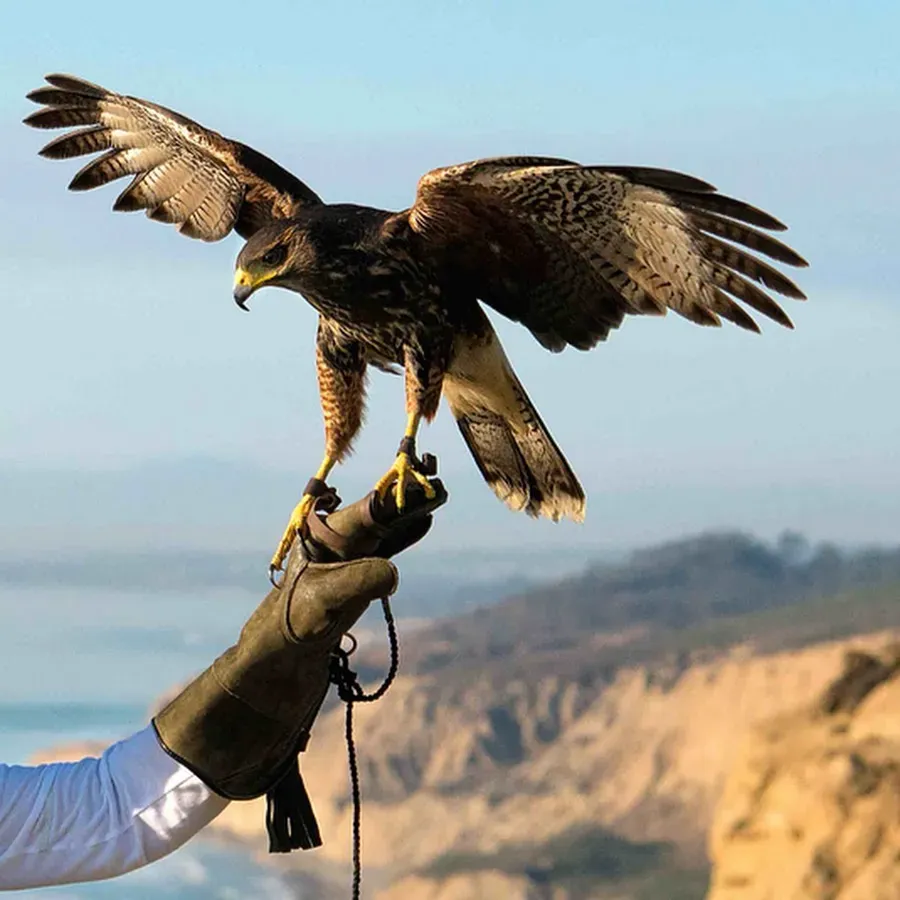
point(184, 174)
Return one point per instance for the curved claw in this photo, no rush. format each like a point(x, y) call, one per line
point(273, 577)
point(297, 521)
point(404, 470)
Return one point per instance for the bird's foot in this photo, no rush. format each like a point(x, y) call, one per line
point(407, 468)
point(315, 489)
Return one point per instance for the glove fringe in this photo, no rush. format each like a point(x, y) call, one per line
point(290, 819)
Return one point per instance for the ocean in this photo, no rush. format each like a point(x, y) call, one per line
point(88, 665)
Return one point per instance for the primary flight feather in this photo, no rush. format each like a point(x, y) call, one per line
point(567, 250)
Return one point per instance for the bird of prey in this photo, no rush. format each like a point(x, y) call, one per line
point(567, 250)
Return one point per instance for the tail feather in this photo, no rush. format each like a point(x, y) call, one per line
point(493, 447)
point(510, 443)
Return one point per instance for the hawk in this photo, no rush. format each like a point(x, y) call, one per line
point(567, 250)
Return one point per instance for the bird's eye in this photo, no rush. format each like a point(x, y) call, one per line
point(275, 256)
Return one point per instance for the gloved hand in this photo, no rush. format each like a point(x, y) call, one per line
point(240, 725)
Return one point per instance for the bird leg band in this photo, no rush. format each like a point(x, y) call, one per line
point(424, 465)
point(408, 445)
point(316, 487)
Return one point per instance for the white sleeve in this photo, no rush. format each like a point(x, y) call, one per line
point(99, 817)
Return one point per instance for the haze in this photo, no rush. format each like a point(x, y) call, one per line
point(140, 407)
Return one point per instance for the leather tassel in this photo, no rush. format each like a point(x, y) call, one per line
point(290, 819)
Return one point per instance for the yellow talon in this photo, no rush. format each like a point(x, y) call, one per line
point(301, 514)
point(399, 474)
point(297, 521)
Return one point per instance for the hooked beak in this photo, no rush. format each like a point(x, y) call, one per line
point(244, 286)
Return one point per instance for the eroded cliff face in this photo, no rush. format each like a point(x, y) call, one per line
point(450, 771)
point(490, 766)
point(811, 808)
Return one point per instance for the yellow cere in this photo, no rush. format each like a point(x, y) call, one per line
point(242, 278)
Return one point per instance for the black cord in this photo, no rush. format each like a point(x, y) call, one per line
point(350, 691)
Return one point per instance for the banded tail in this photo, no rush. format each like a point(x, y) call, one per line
point(511, 445)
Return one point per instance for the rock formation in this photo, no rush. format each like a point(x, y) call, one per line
point(463, 781)
point(811, 809)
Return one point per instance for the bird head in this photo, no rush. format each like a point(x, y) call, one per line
point(274, 255)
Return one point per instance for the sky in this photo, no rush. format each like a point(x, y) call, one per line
point(125, 365)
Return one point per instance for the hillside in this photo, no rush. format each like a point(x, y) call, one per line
point(520, 779)
point(635, 609)
point(572, 742)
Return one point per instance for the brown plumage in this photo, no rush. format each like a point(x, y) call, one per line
point(567, 250)
point(184, 174)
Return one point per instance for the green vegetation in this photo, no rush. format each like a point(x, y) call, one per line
point(808, 622)
point(709, 591)
point(803, 623)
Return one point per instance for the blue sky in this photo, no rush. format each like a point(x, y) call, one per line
point(121, 349)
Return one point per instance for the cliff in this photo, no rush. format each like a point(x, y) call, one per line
point(556, 790)
point(811, 809)
point(574, 742)
point(511, 781)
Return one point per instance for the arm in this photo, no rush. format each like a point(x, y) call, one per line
point(99, 817)
point(240, 725)
point(233, 732)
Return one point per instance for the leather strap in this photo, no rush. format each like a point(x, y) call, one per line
point(315, 487)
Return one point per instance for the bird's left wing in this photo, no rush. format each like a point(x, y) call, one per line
point(570, 250)
point(184, 174)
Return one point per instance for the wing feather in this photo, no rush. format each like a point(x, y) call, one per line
point(79, 143)
point(734, 258)
point(576, 248)
point(184, 174)
point(738, 233)
point(724, 306)
point(116, 164)
point(726, 206)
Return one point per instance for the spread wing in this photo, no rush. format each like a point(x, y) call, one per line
point(184, 173)
point(569, 250)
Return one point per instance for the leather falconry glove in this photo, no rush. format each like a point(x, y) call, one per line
point(240, 725)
